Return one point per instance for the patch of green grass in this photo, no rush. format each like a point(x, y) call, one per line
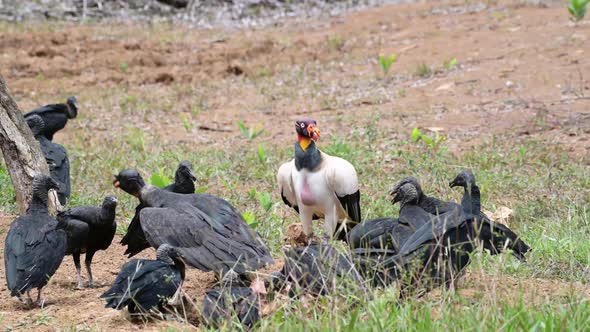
point(7, 195)
point(546, 188)
point(385, 62)
point(335, 43)
point(123, 67)
point(577, 9)
point(249, 133)
point(450, 64)
point(423, 70)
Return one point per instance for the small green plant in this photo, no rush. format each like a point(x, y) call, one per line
point(386, 62)
point(335, 43)
point(249, 133)
point(188, 126)
point(265, 200)
point(577, 9)
point(123, 66)
point(159, 179)
point(433, 143)
point(43, 319)
point(450, 64)
point(423, 70)
point(401, 93)
point(261, 154)
point(250, 219)
point(136, 139)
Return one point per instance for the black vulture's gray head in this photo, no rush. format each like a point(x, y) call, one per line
point(407, 180)
point(72, 103)
point(35, 122)
point(42, 183)
point(464, 179)
point(406, 194)
point(168, 253)
point(184, 172)
point(109, 202)
point(129, 181)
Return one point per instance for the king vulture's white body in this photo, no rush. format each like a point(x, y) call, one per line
point(328, 190)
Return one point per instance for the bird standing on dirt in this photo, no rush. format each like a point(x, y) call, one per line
point(56, 157)
point(145, 284)
point(184, 183)
point(319, 185)
point(207, 230)
point(34, 247)
point(55, 116)
point(89, 229)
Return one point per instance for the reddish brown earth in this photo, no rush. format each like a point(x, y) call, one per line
point(522, 71)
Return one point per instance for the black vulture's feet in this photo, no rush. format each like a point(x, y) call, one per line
point(40, 303)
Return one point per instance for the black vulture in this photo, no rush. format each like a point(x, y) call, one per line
point(55, 116)
point(56, 157)
point(34, 247)
point(184, 183)
point(145, 284)
point(318, 269)
point(89, 229)
point(184, 179)
point(439, 250)
point(391, 233)
point(207, 230)
point(495, 237)
point(380, 233)
point(221, 304)
point(431, 205)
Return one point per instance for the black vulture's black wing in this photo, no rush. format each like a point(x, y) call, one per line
point(146, 283)
point(435, 229)
point(206, 242)
point(87, 214)
point(496, 237)
point(59, 167)
point(33, 252)
point(381, 233)
point(77, 232)
point(135, 239)
point(54, 117)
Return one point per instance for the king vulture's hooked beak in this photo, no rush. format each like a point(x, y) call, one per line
point(313, 132)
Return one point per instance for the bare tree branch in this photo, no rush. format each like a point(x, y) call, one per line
point(22, 153)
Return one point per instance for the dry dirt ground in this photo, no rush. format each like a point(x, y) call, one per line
point(522, 71)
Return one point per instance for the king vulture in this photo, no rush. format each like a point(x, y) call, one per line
point(318, 185)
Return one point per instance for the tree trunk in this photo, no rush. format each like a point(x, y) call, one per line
point(22, 153)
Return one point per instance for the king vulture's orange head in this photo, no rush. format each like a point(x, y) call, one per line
point(307, 128)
